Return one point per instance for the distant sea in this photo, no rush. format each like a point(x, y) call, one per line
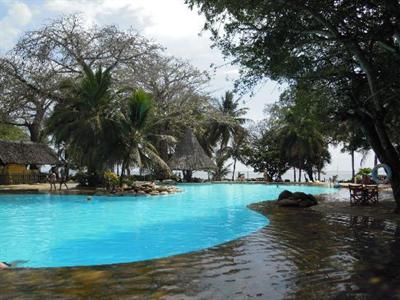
point(342, 175)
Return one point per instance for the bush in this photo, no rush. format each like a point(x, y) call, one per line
point(84, 179)
point(81, 178)
point(364, 171)
point(111, 180)
point(358, 178)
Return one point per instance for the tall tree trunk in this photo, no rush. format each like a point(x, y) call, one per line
point(234, 169)
point(36, 126)
point(353, 171)
point(384, 149)
point(123, 169)
point(300, 169)
point(310, 174)
point(187, 175)
point(375, 160)
point(294, 174)
point(34, 132)
point(374, 122)
point(319, 168)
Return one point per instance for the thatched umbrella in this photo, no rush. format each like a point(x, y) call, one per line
point(189, 156)
point(26, 153)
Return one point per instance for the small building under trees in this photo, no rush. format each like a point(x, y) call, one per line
point(189, 156)
point(20, 162)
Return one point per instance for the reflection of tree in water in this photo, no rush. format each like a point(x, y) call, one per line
point(309, 243)
point(376, 246)
point(324, 256)
point(338, 255)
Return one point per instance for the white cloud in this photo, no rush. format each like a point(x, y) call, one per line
point(17, 16)
point(156, 18)
point(98, 11)
point(171, 18)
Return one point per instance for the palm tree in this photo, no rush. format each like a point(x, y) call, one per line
point(84, 120)
point(221, 170)
point(301, 142)
point(354, 140)
point(236, 150)
point(228, 122)
point(136, 134)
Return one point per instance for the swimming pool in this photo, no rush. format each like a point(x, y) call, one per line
point(67, 230)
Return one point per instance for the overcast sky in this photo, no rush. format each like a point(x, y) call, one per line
point(167, 22)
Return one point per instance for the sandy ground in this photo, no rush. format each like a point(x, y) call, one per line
point(38, 186)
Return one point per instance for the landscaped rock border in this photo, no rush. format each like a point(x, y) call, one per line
point(149, 188)
point(297, 199)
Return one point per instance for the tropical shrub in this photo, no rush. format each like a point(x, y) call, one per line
point(136, 134)
point(111, 180)
point(84, 179)
point(85, 122)
point(364, 171)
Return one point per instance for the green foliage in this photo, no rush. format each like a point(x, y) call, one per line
point(348, 49)
point(85, 120)
point(238, 147)
point(358, 178)
point(137, 133)
point(264, 154)
point(12, 133)
point(294, 135)
point(364, 171)
point(86, 179)
point(225, 131)
point(228, 121)
point(304, 129)
point(298, 38)
point(99, 130)
point(111, 180)
point(221, 170)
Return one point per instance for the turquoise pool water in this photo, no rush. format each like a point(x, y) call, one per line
point(54, 231)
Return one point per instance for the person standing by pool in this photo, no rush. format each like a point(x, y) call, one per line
point(52, 179)
point(63, 177)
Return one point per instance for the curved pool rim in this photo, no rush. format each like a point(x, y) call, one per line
point(245, 207)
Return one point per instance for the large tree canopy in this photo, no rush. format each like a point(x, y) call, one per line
point(351, 48)
point(47, 78)
point(33, 72)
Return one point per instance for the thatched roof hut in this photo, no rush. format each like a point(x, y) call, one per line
point(189, 155)
point(26, 153)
